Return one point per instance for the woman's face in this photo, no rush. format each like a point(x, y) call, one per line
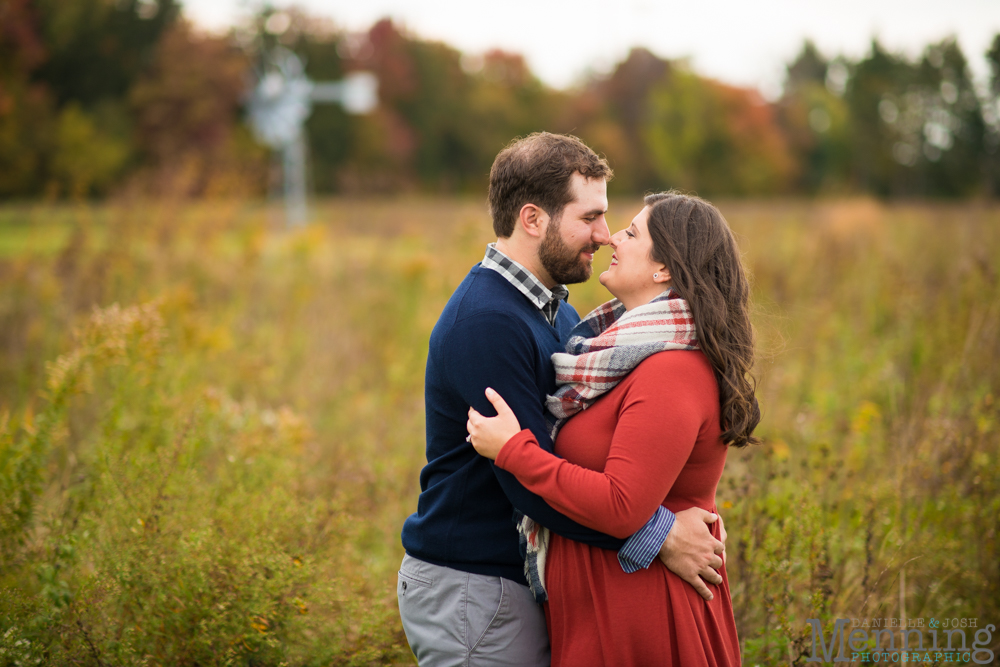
point(631, 274)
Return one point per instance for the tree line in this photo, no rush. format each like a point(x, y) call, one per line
point(101, 97)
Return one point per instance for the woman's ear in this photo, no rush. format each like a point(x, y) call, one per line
point(662, 275)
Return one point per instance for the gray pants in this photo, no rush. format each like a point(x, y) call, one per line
point(456, 619)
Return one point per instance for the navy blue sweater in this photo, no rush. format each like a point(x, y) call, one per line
point(489, 335)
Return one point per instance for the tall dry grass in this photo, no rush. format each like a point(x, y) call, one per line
point(211, 428)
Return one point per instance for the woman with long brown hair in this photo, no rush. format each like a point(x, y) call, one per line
point(663, 374)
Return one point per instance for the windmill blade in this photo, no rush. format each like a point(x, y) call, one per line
point(358, 92)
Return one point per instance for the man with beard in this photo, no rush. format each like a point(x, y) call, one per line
point(463, 592)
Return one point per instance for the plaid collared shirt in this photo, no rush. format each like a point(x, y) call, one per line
point(545, 299)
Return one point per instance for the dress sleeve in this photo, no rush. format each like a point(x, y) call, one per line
point(658, 425)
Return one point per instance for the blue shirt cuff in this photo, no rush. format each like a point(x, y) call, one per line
point(640, 549)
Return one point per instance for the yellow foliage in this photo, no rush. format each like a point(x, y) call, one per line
point(867, 414)
point(780, 450)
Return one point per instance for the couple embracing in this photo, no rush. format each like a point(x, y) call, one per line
point(568, 499)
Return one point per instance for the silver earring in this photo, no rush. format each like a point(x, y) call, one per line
point(655, 276)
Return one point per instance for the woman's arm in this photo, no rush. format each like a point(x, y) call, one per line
point(658, 424)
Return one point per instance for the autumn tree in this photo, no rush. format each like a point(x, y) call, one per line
point(917, 127)
point(815, 122)
point(712, 138)
point(506, 100)
point(611, 114)
point(186, 107)
point(67, 65)
point(442, 117)
point(26, 108)
point(991, 116)
point(953, 136)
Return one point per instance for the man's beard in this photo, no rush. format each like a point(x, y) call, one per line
point(564, 264)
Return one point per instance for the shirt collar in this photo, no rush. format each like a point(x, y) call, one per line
point(522, 278)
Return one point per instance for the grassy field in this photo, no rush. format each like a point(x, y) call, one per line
point(211, 429)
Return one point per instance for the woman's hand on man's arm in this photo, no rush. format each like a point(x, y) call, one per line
point(489, 434)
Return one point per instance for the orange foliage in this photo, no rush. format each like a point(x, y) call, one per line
point(756, 135)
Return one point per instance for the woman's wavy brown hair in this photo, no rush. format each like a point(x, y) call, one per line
point(693, 240)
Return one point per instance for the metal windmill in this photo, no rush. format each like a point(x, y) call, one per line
point(279, 105)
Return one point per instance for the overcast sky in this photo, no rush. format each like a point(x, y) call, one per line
point(738, 41)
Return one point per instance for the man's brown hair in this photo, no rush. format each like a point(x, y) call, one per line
point(536, 169)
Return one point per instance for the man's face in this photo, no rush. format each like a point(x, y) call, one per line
point(574, 235)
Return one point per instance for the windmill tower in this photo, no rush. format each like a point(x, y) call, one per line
point(280, 104)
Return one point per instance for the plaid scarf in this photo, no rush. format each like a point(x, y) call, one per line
point(603, 348)
point(609, 343)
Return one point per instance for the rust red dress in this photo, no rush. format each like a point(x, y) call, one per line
point(653, 439)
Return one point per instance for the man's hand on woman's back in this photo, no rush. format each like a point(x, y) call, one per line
point(692, 553)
